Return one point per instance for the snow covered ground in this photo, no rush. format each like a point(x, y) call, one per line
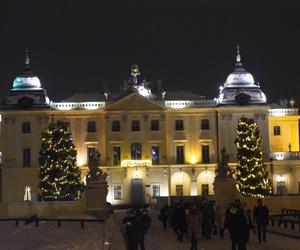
point(71, 236)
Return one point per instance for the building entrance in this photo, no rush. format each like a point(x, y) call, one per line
point(137, 192)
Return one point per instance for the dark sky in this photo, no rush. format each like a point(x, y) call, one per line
point(76, 45)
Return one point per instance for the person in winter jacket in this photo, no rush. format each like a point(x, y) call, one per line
point(194, 226)
point(260, 217)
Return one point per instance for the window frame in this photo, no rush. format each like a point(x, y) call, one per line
point(135, 126)
point(158, 160)
point(205, 156)
point(118, 162)
point(115, 126)
point(91, 127)
point(179, 124)
point(178, 161)
point(26, 128)
point(154, 125)
point(26, 162)
point(205, 124)
point(136, 156)
point(276, 130)
point(120, 192)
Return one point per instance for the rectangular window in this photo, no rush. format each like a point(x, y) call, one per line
point(90, 150)
point(179, 154)
point(136, 151)
point(179, 125)
point(116, 155)
point(179, 190)
point(154, 125)
point(135, 125)
point(277, 130)
point(155, 155)
point(91, 127)
point(26, 128)
point(117, 192)
point(281, 187)
point(115, 126)
point(155, 190)
point(27, 193)
point(204, 189)
point(205, 154)
point(204, 124)
point(26, 157)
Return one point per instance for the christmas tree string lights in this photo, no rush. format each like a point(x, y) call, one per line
point(59, 173)
point(252, 177)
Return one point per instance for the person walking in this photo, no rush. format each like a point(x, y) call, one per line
point(260, 218)
point(141, 224)
point(129, 232)
point(220, 219)
point(194, 226)
point(170, 213)
point(250, 226)
point(163, 216)
point(208, 218)
point(237, 225)
point(179, 220)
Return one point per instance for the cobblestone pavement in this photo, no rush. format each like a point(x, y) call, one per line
point(159, 239)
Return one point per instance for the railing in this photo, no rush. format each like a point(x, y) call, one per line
point(290, 155)
point(188, 104)
point(283, 112)
point(278, 220)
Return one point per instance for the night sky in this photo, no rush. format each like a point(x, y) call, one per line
point(76, 45)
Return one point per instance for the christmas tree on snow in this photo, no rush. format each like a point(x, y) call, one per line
point(252, 177)
point(59, 173)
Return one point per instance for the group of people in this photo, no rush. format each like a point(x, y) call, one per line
point(205, 219)
point(137, 222)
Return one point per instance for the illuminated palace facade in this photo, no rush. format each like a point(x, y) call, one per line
point(153, 142)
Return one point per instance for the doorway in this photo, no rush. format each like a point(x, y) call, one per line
point(137, 192)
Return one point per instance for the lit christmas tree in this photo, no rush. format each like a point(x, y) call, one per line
point(252, 177)
point(59, 173)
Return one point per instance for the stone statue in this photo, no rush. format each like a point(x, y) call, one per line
point(223, 172)
point(95, 174)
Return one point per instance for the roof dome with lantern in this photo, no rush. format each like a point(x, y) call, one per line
point(240, 87)
point(27, 79)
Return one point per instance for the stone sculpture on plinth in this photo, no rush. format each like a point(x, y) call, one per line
point(224, 184)
point(96, 188)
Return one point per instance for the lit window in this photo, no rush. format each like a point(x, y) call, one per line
point(136, 151)
point(117, 192)
point(179, 125)
point(27, 193)
point(154, 125)
point(276, 130)
point(205, 124)
point(179, 154)
point(115, 126)
point(156, 190)
point(91, 127)
point(26, 157)
point(155, 155)
point(116, 155)
point(135, 125)
point(26, 128)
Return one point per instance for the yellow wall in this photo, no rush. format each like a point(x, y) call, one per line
point(289, 133)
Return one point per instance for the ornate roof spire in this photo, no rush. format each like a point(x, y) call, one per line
point(238, 55)
point(27, 61)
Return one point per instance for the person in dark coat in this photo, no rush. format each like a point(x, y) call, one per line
point(141, 225)
point(129, 232)
point(250, 225)
point(170, 213)
point(163, 216)
point(208, 218)
point(194, 226)
point(260, 217)
point(179, 220)
point(236, 224)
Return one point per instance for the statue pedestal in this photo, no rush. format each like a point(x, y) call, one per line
point(225, 192)
point(95, 193)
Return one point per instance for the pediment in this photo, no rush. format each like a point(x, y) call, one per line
point(134, 101)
